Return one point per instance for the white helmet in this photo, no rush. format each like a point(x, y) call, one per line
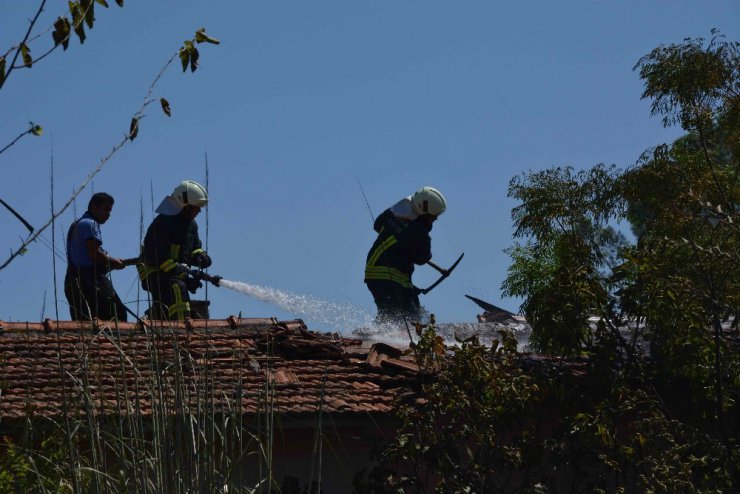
point(190, 193)
point(185, 194)
point(429, 200)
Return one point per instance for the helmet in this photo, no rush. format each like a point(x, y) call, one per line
point(429, 200)
point(190, 193)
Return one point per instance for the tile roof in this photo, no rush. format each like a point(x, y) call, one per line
point(229, 364)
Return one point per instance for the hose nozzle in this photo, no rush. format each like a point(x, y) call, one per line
point(200, 275)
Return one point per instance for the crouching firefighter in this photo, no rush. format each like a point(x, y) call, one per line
point(403, 241)
point(171, 246)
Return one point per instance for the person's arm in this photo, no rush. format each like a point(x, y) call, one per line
point(99, 256)
point(197, 257)
point(420, 244)
point(381, 220)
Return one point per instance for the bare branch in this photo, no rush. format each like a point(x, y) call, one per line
point(17, 215)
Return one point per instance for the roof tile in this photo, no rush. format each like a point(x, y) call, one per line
point(238, 363)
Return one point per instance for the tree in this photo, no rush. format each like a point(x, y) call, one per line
point(677, 285)
point(559, 269)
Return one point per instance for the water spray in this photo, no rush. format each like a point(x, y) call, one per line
point(356, 321)
point(342, 317)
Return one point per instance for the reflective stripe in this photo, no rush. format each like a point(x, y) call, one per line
point(145, 271)
point(174, 251)
point(179, 308)
point(385, 245)
point(387, 273)
point(196, 251)
point(168, 265)
point(373, 272)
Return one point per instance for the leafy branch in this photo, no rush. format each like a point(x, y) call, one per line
point(33, 129)
point(82, 12)
point(129, 137)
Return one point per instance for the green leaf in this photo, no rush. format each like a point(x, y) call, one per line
point(77, 21)
point(2, 71)
point(103, 3)
point(165, 107)
point(61, 33)
point(184, 58)
point(194, 55)
point(133, 129)
point(88, 10)
point(80, 31)
point(26, 54)
point(201, 36)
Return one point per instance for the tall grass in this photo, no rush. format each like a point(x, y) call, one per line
point(194, 436)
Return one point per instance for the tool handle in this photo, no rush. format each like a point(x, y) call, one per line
point(441, 270)
point(132, 261)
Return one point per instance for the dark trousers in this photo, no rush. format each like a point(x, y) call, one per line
point(91, 295)
point(170, 298)
point(395, 302)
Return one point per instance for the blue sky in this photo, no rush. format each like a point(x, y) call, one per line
point(301, 100)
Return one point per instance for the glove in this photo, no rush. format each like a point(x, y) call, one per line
point(192, 284)
point(201, 260)
point(179, 270)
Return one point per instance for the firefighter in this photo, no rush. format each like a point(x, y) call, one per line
point(87, 287)
point(171, 246)
point(403, 241)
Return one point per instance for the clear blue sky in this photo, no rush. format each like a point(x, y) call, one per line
point(301, 100)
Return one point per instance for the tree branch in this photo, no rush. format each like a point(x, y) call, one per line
point(139, 114)
point(33, 130)
point(17, 215)
point(25, 39)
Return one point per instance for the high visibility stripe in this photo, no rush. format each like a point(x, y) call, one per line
point(196, 251)
point(168, 265)
point(385, 245)
point(179, 308)
point(387, 273)
point(174, 251)
point(145, 271)
point(178, 311)
point(373, 272)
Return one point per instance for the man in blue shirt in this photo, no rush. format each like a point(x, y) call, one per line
point(87, 287)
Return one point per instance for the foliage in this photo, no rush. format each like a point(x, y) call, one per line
point(565, 217)
point(39, 466)
point(493, 420)
point(671, 291)
point(82, 14)
point(458, 438)
point(651, 400)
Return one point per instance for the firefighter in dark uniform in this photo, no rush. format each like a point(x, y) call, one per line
point(87, 286)
point(403, 241)
point(171, 246)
